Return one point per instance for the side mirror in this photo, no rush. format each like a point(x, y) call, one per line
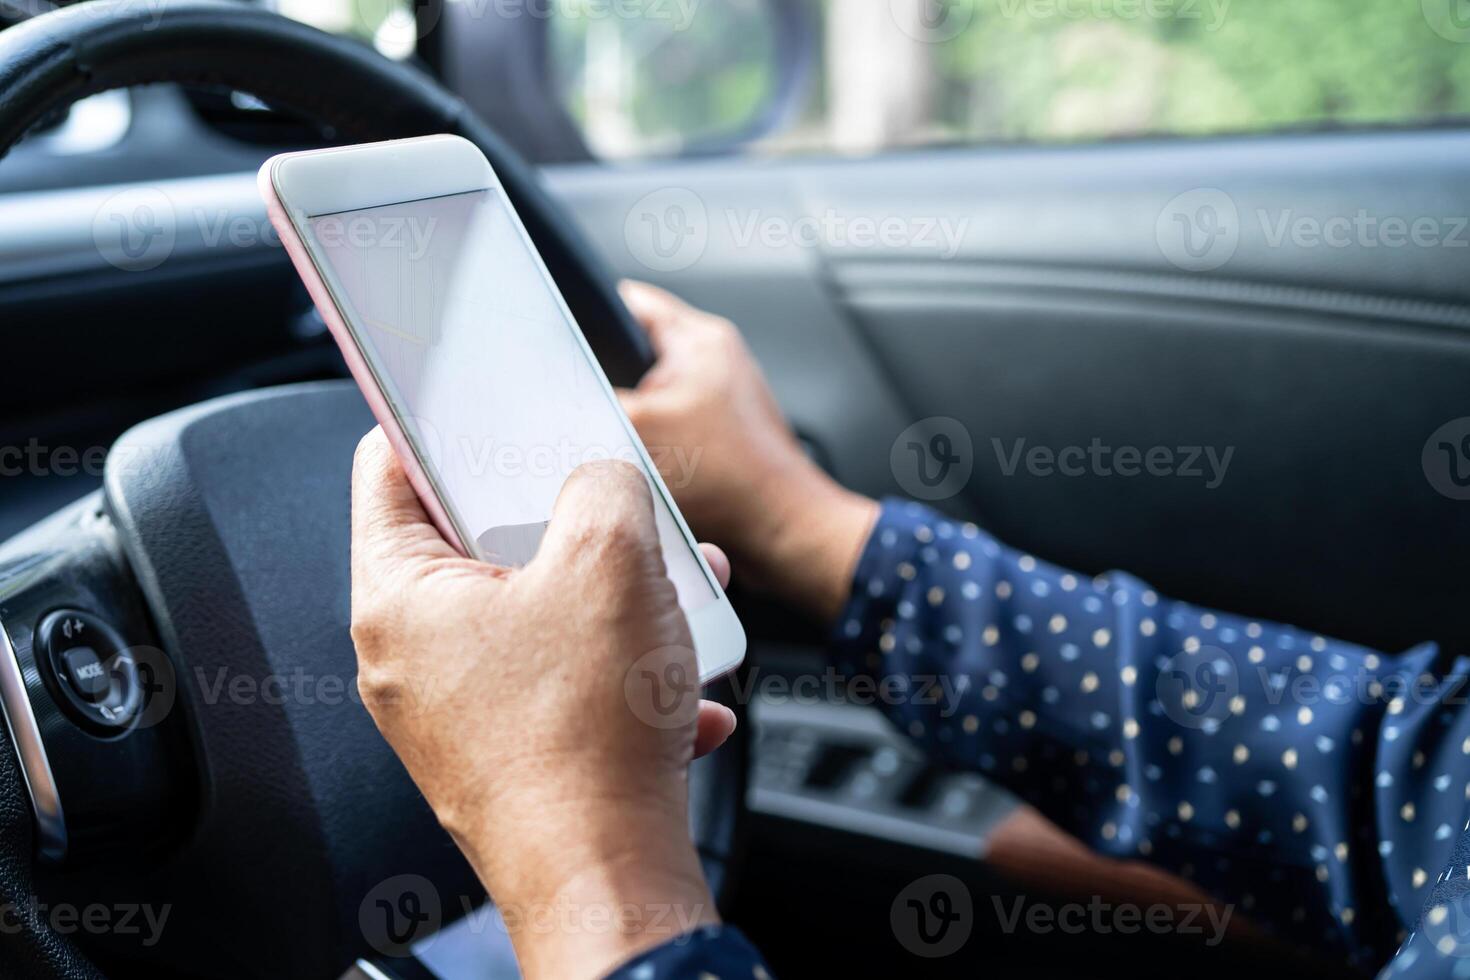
point(678, 77)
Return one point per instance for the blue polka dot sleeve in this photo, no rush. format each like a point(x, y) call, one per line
point(1440, 944)
point(718, 952)
point(1319, 786)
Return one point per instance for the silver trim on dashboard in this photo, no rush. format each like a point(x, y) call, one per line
point(35, 767)
point(78, 230)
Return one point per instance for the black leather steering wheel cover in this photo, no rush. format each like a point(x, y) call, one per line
point(57, 58)
point(32, 948)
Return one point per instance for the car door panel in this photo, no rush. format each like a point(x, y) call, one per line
point(1321, 353)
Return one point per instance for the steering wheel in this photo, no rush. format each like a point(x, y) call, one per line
point(268, 817)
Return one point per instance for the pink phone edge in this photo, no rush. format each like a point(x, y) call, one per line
point(321, 296)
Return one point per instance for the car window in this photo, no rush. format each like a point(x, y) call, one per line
point(389, 25)
point(656, 77)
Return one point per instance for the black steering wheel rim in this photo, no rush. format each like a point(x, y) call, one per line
point(56, 58)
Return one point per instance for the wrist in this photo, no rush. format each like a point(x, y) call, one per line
point(608, 890)
point(810, 539)
point(609, 913)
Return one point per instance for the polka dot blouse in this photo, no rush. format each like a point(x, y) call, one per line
point(1319, 786)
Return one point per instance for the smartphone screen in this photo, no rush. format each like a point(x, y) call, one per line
point(488, 375)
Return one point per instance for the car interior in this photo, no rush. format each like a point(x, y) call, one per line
point(1237, 231)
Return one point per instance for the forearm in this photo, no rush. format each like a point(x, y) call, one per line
point(1073, 692)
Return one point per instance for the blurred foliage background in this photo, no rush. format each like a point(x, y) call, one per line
point(684, 72)
point(1230, 66)
point(654, 77)
point(1000, 70)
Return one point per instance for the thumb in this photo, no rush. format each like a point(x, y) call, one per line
point(604, 514)
point(716, 724)
point(389, 525)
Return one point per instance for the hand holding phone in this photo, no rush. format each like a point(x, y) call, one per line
point(469, 357)
point(502, 694)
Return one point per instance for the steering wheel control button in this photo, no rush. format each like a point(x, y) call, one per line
point(85, 672)
point(90, 669)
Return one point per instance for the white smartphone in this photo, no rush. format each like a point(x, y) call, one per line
point(467, 353)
